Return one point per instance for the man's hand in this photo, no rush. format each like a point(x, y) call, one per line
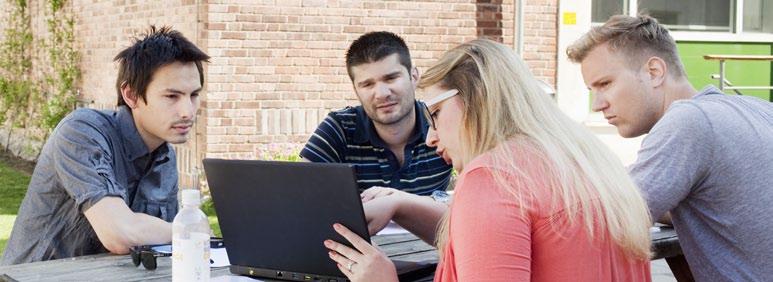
point(380, 205)
point(379, 211)
point(377, 192)
point(418, 214)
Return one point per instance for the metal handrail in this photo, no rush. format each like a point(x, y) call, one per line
point(716, 76)
point(722, 78)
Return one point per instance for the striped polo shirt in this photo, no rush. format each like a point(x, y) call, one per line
point(348, 136)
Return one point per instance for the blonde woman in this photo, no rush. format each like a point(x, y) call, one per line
point(538, 198)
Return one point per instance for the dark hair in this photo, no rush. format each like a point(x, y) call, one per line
point(374, 46)
point(160, 46)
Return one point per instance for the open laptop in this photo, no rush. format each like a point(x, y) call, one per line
point(274, 217)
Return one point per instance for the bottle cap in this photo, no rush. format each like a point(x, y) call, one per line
point(191, 197)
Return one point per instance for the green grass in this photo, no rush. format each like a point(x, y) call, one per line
point(13, 185)
point(209, 210)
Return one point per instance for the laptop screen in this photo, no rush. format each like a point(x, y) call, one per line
point(275, 215)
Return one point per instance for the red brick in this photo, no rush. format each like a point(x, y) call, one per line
point(274, 19)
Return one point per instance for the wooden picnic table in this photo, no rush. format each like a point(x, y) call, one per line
point(107, 267)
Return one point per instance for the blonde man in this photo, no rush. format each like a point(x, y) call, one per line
point(539, 198)
point(707, 157)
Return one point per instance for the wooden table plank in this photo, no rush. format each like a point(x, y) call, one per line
point(418, 257)
point(106, 267)
point(102, 267)
point(407, 248)
point(393, 238)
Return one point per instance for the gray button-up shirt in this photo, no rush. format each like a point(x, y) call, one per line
point(90, 155)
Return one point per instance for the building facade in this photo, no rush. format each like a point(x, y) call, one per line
point(278, 67)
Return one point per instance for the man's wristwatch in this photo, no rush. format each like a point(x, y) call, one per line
point(441, 196)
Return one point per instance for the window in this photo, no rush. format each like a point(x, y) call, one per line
point(709, 15)
point(603, 9)
point(754, 20)
point(694, 15)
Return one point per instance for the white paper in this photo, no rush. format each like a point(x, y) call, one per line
point(218, 257)
point(392, 228)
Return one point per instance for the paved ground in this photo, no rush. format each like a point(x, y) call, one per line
point(661, 272)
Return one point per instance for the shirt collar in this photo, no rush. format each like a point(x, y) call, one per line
point(135, 147)
point(709, 89)
point(366, 132)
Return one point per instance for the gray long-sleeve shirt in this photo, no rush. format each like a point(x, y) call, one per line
point(90, 155)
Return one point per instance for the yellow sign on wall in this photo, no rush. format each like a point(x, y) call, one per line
point(570, 18)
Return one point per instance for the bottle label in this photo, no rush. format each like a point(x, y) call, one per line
point(190, 258)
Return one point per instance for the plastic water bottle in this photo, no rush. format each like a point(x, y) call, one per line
point(190, 240)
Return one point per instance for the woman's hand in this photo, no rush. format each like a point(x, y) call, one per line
point(364, 263)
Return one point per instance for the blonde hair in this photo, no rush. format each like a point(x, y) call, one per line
point(637, 38)
point(503, 102)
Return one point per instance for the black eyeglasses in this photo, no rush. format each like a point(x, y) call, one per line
point(147, 256)
point(429, 115)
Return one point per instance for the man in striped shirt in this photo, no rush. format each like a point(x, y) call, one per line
point(384, 137)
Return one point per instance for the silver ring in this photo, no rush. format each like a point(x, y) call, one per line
point(349, 267)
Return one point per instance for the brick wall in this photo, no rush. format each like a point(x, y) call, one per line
point(488, 19)
point(496, 21)
point(278, 66)
point(540, 38)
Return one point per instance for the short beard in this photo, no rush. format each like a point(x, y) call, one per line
point(396, 121)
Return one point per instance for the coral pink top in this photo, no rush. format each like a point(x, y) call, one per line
point(490, 239)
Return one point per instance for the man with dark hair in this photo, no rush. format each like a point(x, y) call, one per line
point(107, 180)
point(383, 138)
point(705, 163)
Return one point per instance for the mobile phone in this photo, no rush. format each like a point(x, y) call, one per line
point(214, 242)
